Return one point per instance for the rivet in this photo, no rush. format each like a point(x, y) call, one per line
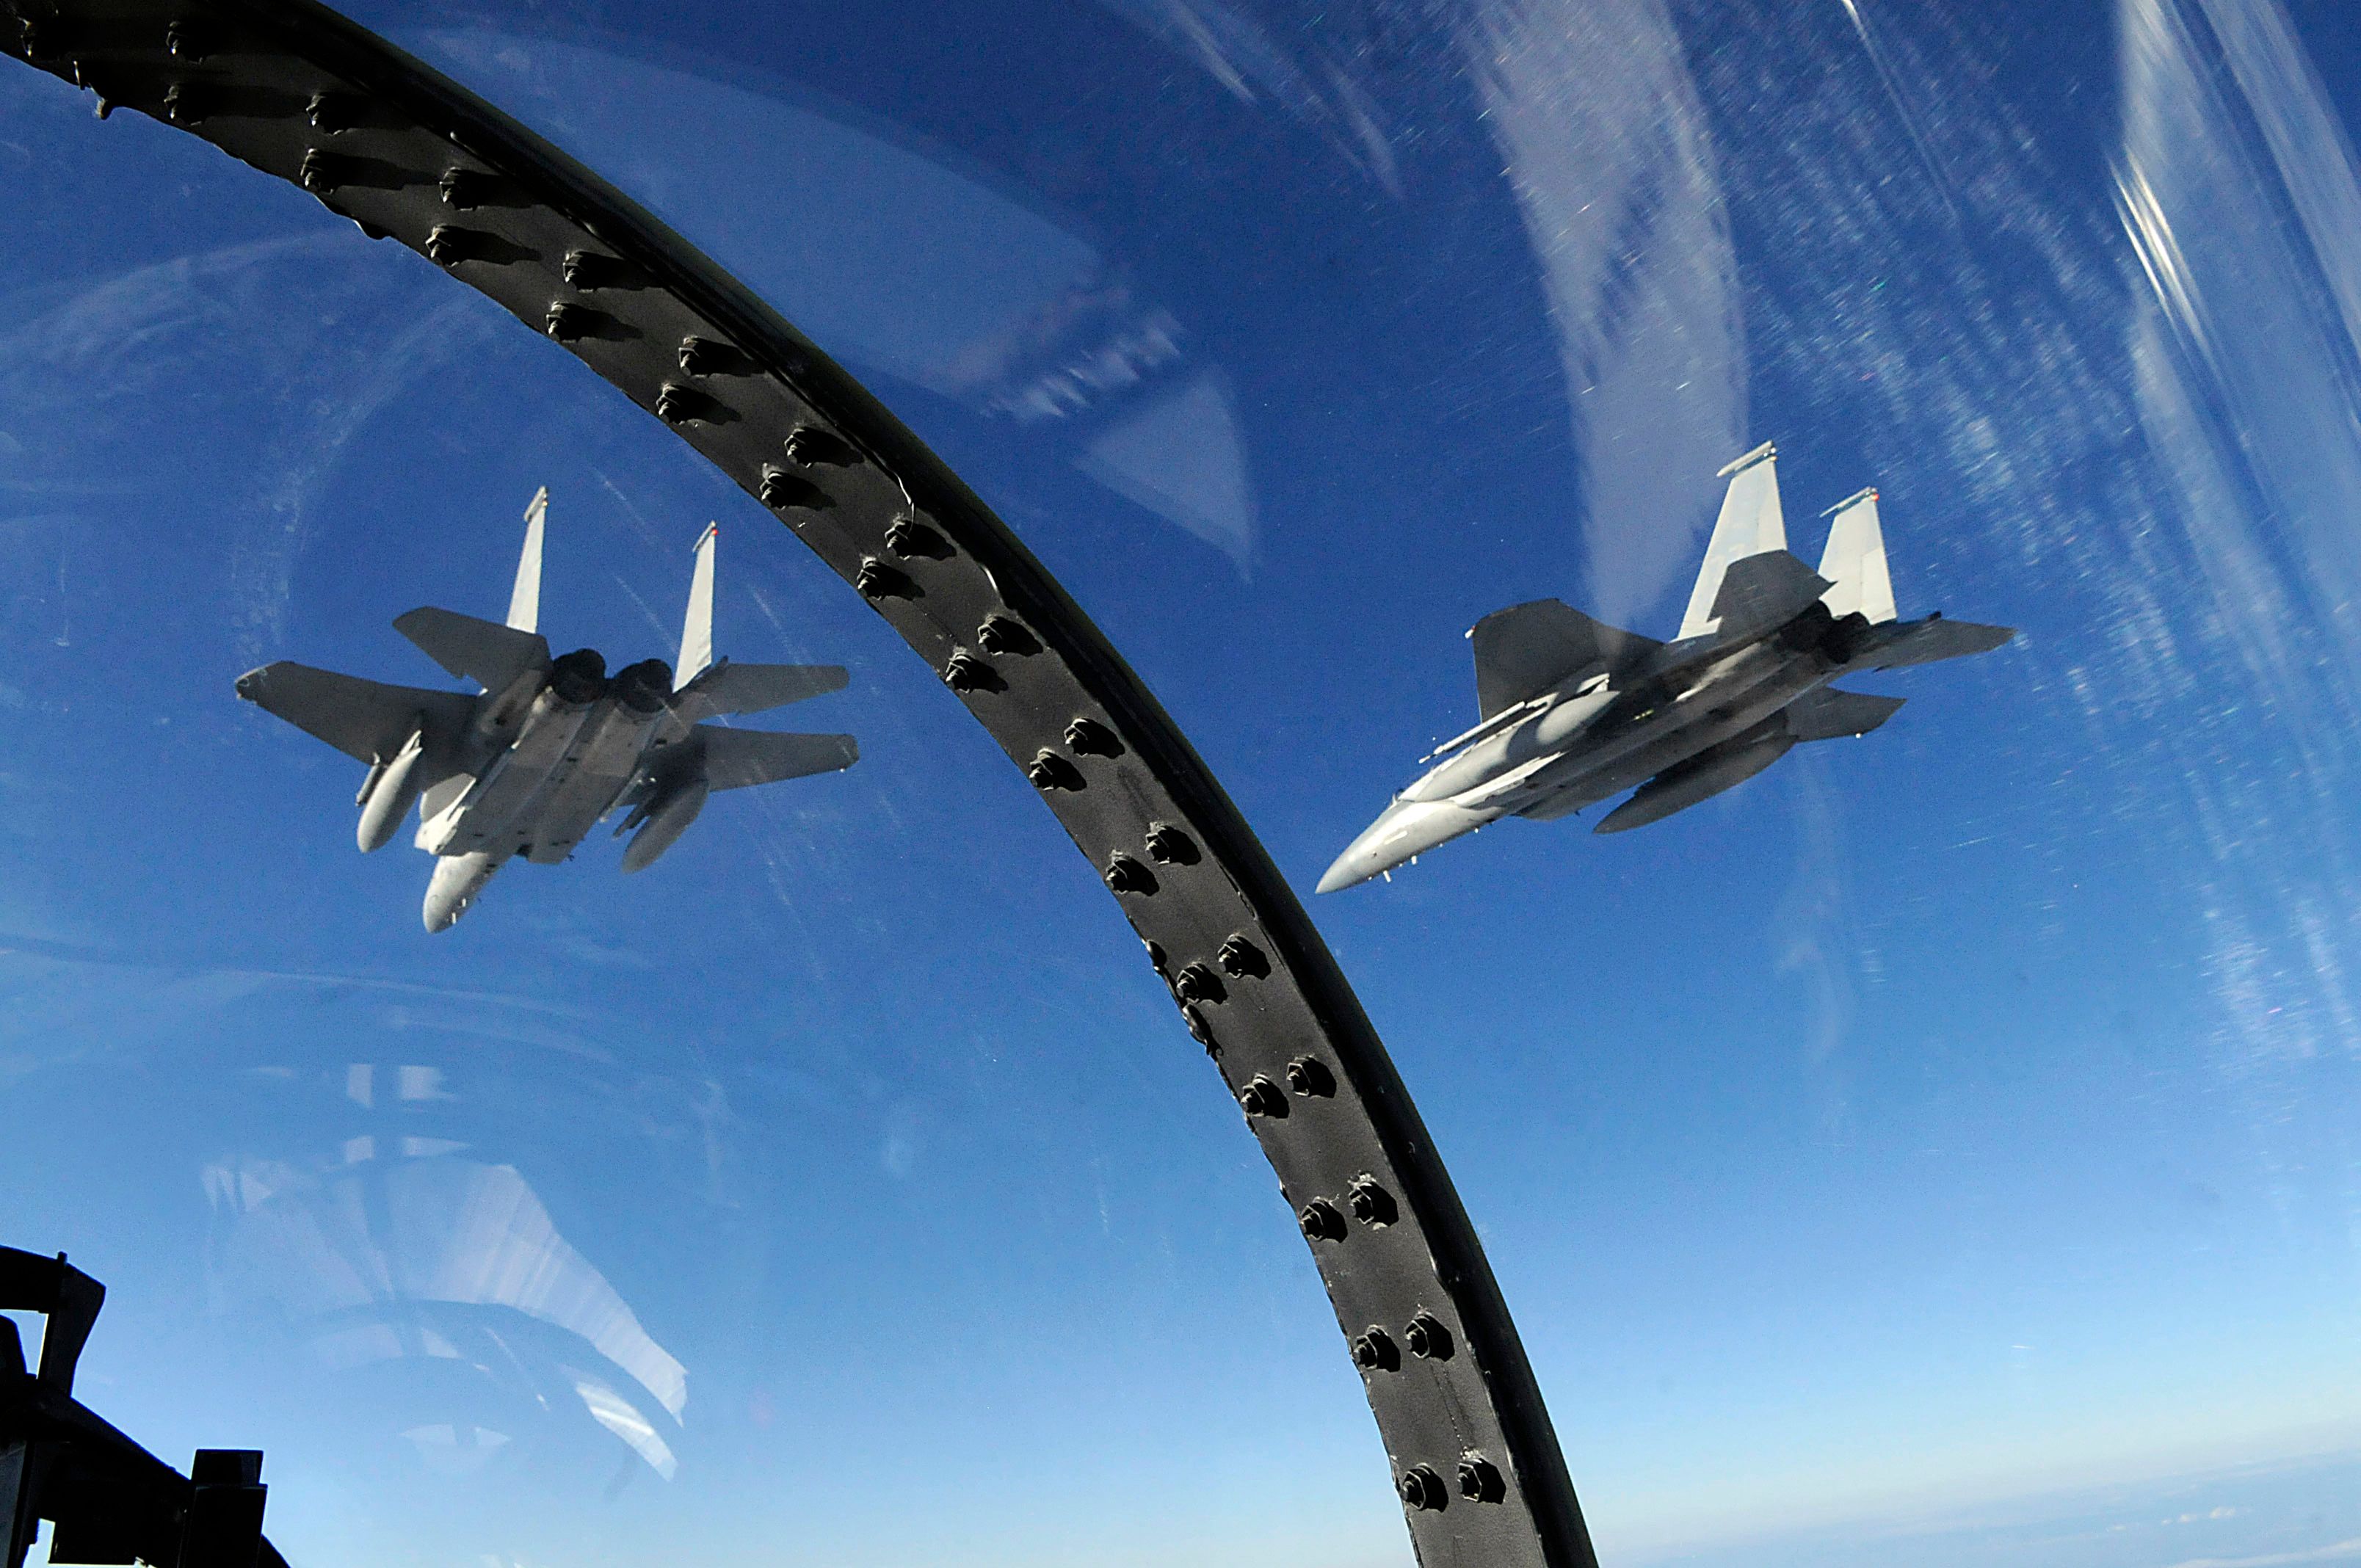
point(1003, 635)
point(879, 581)
point(966, 673)
point(1480, 1481)
point(1374, 1351)
point(1049, 770)
point(1371, 1204)
point(567, 320)
point(1422, 1489)
point(447, 246)
point(1201, 1031)
point(104, 109)
point(184, 104)
point(1240, 958)
point(589, 270)
point(815, 447)
point(907, 537)
point(321, 172)
point(1198, 983)
point(676, 404)
point(1125, 874)
point(1427, 1338)
point(1261, 1097)
point(332, 111)
point(1321, 1221)
point(709, 356)
point(464, 188)
point(186, 41)
point(1309, 1077)
point(783, 491)
point(1093, 739)
point(371, 230)
point(1157, 958)
point(1171, 847)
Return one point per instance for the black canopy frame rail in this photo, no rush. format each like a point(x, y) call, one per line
point(296, 91)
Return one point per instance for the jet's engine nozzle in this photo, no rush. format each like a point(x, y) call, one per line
point(457, 879)
point(643, 687)
point(579, 677)
point(668, 817)
point(391, 790)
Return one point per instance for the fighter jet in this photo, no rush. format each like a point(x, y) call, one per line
point(1574, 710)
point(547, 748)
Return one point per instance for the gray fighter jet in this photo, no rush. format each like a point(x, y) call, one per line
point(1574, 711)
point(548, 747)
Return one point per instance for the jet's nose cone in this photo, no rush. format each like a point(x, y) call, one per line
point(1403, 830)
point(1342, 875)
point(1362, 859)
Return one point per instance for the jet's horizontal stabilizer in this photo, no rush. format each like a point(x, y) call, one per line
point(735, 759)
point(1527, 648)
point(1854, 561)
point(1929, 641)
point(1749, 524)
point(367, 720)
point(758, 688)
point(484, 652)
point(1829, 715)
point(1759, 592)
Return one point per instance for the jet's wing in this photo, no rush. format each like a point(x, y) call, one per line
point(364, 719)
point(1526, 649)
point(1926, 642)
point(757, 688)
point(737, 758)
point(1750, 523)
point(484, 652)
point(1827, 713)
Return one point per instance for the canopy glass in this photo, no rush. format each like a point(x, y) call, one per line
point(1939, 1148)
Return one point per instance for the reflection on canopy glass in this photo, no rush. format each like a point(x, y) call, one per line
point(1937, 1146)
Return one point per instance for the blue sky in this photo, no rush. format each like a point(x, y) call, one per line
point(1945, 1139)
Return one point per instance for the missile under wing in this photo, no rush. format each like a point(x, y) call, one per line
point(547, 747)
point(1573, 711)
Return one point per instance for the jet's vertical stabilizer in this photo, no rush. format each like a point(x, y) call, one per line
point(1855, 562)
point(696, 634)
point(1750, 523)
point(524, 600)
